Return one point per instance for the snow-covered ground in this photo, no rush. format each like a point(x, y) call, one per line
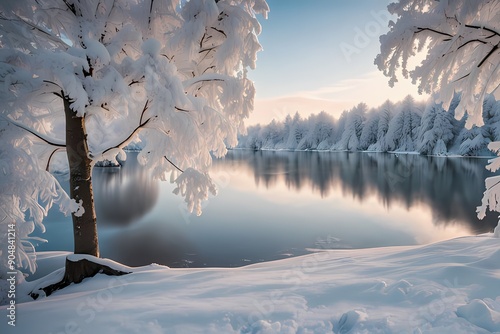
point(446, 287)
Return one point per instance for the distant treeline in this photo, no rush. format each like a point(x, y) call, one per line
point(406, 126)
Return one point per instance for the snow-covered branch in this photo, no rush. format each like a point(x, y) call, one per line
point(46, 33)
point(208, 77)
point(128, 139)
point(465, 61)
point(49, 141)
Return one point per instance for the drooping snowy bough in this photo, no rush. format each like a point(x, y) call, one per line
point(460, 43)
point(82, 79)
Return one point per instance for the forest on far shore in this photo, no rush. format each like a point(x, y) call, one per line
point(406, 126)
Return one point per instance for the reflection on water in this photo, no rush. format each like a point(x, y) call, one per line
point(451, 187)
point(272, 205)
point(123, 195)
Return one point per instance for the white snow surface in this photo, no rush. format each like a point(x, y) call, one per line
point(446, 287)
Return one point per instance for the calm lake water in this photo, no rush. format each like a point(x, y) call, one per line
point(273, 205)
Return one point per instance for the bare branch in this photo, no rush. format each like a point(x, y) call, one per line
point(463, 77)
point(70, 7)
point(50, 157)
point(433, 30)
point(164, 55)
point(202, 38)
point(132, 134)
point(180, 109)
point(143, 111)
point(150, 12)
point(192, 82)
point(208, 68)
point(471, 41)
point(488, 55)
point(207, 49)
point(180, 170)
point(220, 31)
point(483, 28)
point(133, 82)
point(122, 143)
point(49, 141)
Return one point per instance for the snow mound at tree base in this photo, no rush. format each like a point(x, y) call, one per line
point(446, 287)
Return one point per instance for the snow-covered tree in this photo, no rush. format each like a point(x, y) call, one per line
point(271, 135)
point(353, 128)
point(427, 121)
point(252, 139)
point(83, 78)
point(318, 129)
point(386, 112)
point(339, 128)
point(323, 131)
point(295, 132)
point(460, 41)
point(404, 126)
point(473, 142)
point(370, 130)
point(491, 116)
point(436, 131)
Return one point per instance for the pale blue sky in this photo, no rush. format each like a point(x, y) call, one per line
point(318, 55)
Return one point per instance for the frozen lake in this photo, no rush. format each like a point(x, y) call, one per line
point(274, 205)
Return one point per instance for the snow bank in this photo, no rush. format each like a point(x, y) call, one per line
point(447, 287)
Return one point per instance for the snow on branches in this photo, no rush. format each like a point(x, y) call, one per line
point(460, 43)
point(172, 72)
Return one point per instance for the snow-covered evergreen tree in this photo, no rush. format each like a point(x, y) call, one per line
point(295, 133)
point(436, 131)
point(404, 127)
point(318, 129)
point(370, 130)
point(386, 112)
point(473, 142)
point(271, 135)
point(491, 117)
point(427, 123)
point(353, 128)
point(323, 130)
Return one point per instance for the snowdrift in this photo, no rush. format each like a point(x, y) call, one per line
point(446, 287)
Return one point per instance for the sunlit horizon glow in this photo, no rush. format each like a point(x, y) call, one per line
point(371, 89)
point(320, 57)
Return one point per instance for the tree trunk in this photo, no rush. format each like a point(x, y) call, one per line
point(75, 272)
point(84, 224)
point(80, 183)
